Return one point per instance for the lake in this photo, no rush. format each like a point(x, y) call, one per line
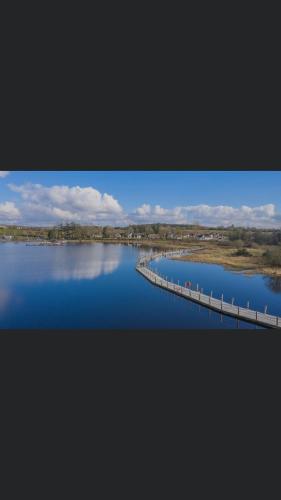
point(96, 285)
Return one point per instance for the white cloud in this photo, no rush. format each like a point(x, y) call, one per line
point(220, 215)
point(9, 213)
point(63, 203)
point(4, 173)
point(144, 209)
point(41, 205)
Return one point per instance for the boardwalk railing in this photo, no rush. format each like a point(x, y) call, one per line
point(266, 320)
point(144, 260)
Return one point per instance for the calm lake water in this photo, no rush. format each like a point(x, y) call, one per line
point(96, 286)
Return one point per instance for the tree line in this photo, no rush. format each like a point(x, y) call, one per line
point(258, 236)
point(74, 231)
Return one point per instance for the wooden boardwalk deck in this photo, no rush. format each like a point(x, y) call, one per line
point(266, 320)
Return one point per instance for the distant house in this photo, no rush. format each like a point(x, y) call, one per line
point(208, 237)
point(135, 236)
point(204, 237)
point(153, 236)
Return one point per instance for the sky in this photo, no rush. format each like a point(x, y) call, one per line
point(211, 198)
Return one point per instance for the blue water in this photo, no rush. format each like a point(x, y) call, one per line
point(259, 290)
point(96, 286)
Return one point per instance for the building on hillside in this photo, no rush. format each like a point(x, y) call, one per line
point(208, 237)
point(205, 237)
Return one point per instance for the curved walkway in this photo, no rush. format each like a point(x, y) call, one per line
point(266, 320)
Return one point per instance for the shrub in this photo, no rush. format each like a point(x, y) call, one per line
point(238, 243)
point(273, 257)
point(225, 243)
point(242, 252)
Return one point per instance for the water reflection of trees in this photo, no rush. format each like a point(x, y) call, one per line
point(274, 283)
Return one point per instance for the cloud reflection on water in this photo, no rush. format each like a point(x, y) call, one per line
point(5, 297)
point(85, 262)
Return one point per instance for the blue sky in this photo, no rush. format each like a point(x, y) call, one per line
point(122, 197)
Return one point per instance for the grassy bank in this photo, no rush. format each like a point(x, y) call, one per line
point(225, 256)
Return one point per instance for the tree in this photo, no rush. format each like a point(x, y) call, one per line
point(276, 238)
point(273, 257)
point(106, 232)
point(155, 228)
point(53, 234)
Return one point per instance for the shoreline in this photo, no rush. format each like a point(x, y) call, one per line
point(248, 269)
point(207, 254)
point(138, 243)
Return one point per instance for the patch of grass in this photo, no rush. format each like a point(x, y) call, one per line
point(222, 255)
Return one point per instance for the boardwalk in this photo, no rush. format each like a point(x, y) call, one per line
point(218, 305)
